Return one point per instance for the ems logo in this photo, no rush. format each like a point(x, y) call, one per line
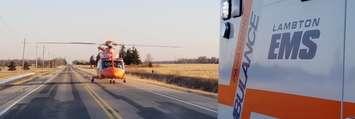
point(293, 42)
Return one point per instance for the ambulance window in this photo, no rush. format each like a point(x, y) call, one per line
point(236, 8)
point(226, 9)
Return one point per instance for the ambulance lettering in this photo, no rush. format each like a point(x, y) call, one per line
point(287, 45)
point(243, 78)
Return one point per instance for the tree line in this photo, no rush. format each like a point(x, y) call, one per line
point(11, 64)
point(198, 60)
point(129, 56)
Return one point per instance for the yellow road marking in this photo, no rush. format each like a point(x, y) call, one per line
point(110, 112)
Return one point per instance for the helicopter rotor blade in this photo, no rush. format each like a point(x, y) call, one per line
point(142, 45)
point(115, 44)
point(81, 43)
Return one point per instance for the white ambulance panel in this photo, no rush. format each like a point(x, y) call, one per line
point(285, 59)
point(349, 82)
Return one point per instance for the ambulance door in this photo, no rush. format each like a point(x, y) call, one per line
point(296, 69)
point(349, 79)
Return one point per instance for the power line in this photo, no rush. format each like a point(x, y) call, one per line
point(8, 27)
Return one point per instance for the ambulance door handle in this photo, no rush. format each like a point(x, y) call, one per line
point(227, 30)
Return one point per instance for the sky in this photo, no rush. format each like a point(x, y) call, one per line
point(191, 24)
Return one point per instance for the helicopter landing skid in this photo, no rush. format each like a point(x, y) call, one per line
point(111, 81)
point(92, 79)
point(95, 77)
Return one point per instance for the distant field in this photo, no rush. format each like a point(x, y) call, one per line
point(4, 73)
point(208, 71)
point(195, 76)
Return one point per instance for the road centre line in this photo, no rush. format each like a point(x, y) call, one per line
point(110, 112)
point(176, 99)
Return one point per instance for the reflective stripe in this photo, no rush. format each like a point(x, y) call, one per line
point(289, 106)
point(226, 93)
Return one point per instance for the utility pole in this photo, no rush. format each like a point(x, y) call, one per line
point(43, 57)
point(49, 59)
point(36, 56)
point(23, 53)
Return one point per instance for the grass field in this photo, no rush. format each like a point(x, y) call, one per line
point(208, 71)
point(195, 76)
point(4, 73)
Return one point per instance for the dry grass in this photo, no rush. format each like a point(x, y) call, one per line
point(208, 71)
point(194, 76)
point(4, 73)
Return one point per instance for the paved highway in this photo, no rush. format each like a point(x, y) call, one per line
point(68, 94)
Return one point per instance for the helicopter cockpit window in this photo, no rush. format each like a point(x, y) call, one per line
point(117, 64)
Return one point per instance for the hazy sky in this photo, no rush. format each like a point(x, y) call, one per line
point(191, 24)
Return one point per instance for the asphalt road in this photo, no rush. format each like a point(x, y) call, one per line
point(68, 94)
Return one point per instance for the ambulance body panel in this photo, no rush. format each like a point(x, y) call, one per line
point(349, 82)
point(287, 59)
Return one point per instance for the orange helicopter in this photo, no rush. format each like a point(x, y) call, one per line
point(109, 65)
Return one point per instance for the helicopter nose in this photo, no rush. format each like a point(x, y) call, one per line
point(118, 73)
point(114, 73)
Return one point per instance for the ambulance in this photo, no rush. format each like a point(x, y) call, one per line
point(287, 59)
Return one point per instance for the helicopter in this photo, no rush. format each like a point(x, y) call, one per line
point(109, 65)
